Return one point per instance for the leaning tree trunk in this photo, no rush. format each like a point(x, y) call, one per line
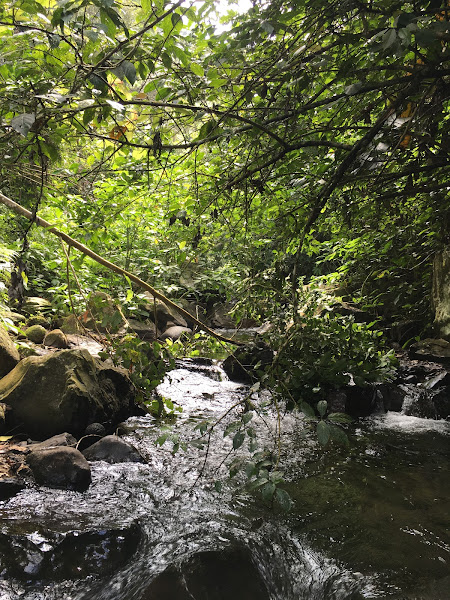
point(109, 265)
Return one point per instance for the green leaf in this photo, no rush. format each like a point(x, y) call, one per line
point(176, 18)
point(23, 123)
point(338, 435)
point(218, 486)
point(247, 417)
point(231, 428)
point(238, 440)
point(307, 410)
point(322, 407)
point(206, 129)
point(389, 38)
point(197, 69)
point(323, 432)
point(129, 70)
point(267, 491)
point(167, 60)
point(283, 500)
point(339, 417)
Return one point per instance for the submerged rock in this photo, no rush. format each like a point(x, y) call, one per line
point(60, 467)
point(9, 355)
point(112, 449)
point(65, 391)
point(227, 574)
point(69, 556)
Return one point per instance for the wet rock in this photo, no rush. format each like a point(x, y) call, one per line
point(10, 486)
point(112, 450)
point(174, 332)
point(223, 575)
point(70, 556)
point(84, 342)
point(60, 467)
point(9, 355)
point(392, 395)
point(65, 391)
point(441, 402)
point(95, 429)
point(244, 364)
point(356, 401)
point(218, 316)
point(36, 333)
point(62, 439)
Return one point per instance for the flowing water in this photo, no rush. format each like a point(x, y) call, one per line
point(369, 520)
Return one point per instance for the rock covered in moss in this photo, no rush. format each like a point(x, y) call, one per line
point(65, 391)
point(9, 355)
point(38, 320)
point(35, 304)
point(35, 333)
point(56, 339)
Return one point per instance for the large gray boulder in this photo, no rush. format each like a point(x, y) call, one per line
point(60, 467)
point(65, 391)
point(9, 355)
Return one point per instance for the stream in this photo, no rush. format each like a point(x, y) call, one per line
point(369, 520)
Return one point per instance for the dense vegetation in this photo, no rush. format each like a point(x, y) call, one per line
point(303, 142)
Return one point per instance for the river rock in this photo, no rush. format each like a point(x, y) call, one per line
point(60, 467)
point(112, 450)
point(227, 574)
point(70, 324)
point(10, 486)
point(62, 439)
point(244, 364)
point(174, 332)
point(65, 391)
point(56, 339)
point(39, 320)
point(9, 355)
point(35, 333)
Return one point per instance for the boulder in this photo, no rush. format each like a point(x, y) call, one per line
point(174, 332)
point(62, 439)
point(112, 450)
point(60, 467)
point(244, 364)
point(35, 333)
point(227, 574)
point(9, 355)
point(65, 391)
point(56, 339)
point(218, 316)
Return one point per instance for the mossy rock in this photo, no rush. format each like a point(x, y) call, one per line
point(36, 333)
point(38, 320)
point(65, 391)
point(34, 305)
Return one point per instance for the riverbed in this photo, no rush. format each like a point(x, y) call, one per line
point(368, 520)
